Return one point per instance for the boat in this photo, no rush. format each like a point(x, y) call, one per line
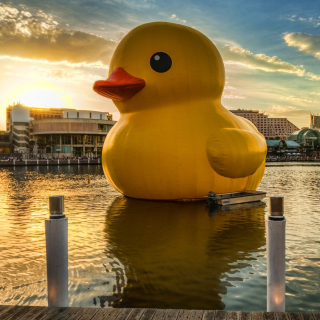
point(223, 199)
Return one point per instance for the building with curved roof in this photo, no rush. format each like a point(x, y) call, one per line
point(306, 137)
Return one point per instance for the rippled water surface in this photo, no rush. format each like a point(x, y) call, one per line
point(133, 253)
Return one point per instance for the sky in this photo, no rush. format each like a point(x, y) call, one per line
point(51, 52)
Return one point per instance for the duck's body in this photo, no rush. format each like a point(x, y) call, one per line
point(174, 139)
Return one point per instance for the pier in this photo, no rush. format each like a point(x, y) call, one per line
point(45, 313)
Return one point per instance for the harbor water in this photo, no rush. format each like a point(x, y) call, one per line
point(134, 253)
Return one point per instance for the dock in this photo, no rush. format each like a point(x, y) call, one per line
point(73, 313)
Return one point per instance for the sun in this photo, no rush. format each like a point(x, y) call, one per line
point(40, 94)
point(37, 94)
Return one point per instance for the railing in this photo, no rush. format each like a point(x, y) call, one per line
point(292, 158)
point(47, 162)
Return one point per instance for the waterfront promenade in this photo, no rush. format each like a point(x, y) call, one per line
point(61, 162)
point(44, 313)
point(44, 162)
point(293, 159)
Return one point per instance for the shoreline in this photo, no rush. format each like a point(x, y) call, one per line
point(44, 162)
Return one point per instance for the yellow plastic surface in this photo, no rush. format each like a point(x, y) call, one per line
point(174, 139)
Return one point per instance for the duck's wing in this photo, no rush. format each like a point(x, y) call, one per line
point(236, 153)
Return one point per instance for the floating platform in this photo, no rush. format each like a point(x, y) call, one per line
point(231, 198)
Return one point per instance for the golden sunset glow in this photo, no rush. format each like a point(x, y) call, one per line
point(41, 94)
point(38, 94)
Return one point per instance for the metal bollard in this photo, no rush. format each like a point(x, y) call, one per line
point(57, 253)
point(276, 260)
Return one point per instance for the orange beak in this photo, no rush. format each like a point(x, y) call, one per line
point(119, 86)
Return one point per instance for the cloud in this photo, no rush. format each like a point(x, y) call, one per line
point(229, 91)
point(292, 17)
point(259, 61)
point(131, 4)
point(61, 72)
point(175, 18)
point(38, 37)
point(93, 65)
point(276, 110)
point(307, 43)
point(227, 86)
point(312, 76)
point(8, 12)
point(312, 20)
point(301, 99)
point(232, 95)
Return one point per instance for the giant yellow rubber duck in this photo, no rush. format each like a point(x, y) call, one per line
point(174, 139)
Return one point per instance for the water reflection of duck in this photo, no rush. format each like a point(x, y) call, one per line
point(176, 255)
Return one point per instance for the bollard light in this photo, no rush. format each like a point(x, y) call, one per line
point(276, 225)
point(57, 253)
point(56, 207)
point(276, 208)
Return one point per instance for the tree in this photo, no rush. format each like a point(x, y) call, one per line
point(31, 146)
point(41, 143)
point(52, 144)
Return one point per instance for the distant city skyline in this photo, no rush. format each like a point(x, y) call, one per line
point(51, 53)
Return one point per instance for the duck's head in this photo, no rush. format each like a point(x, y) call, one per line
point(159, 64)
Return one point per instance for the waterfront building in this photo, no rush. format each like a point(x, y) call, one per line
point(271, 128)
point(19, 128)
point(283, 147)
point(62, 132)
point(5, 144)
point(307, 138)
point(42, 113)
point(314, 121)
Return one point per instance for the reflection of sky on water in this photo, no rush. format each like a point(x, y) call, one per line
point(24, 196)
point(126, 252)
point(300, 185)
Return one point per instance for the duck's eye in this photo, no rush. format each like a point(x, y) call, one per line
point(160, 62)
